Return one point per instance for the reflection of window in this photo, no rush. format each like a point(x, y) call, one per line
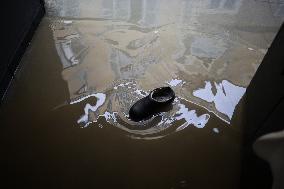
point(280, 11)
point(122, 9)
point(230, 4)
point(136, 10)
point(140, 11)
point(214, 4)
point(70, 8)
point(149, 12)
point(70, 49)
point(107, 8)
point(224, 6)
point(116, 9)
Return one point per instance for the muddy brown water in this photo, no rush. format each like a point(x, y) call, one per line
point(64, 121)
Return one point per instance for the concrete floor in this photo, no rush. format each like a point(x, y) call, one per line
point(90, 61)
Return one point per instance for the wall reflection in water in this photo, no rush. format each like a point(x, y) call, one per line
point(125, 48)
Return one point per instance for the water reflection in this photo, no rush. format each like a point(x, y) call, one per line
point(205, 47)
point(226, 6)
point(148, 12)
point(279, 10)
point(116, 9)
point(123, 49)
point(69, 44)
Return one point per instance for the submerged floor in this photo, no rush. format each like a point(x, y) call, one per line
point(64, 122)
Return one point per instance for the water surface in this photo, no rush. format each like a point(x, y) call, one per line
point(65, 120)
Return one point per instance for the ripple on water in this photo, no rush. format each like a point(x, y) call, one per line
point(112, 107)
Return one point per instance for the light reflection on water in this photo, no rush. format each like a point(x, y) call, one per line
point(226, 97)
point(175, 82)
point(85, 118)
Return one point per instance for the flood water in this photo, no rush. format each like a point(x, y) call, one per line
point(64, 121)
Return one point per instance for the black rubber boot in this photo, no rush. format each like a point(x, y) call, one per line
point(159, 100)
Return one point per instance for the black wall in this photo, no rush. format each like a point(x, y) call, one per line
point(266, 92)
point(20, 19)
point(263, 112)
